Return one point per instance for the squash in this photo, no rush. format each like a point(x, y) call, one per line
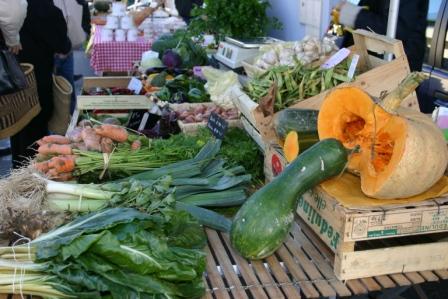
point(291, 146)
point(264, 220)
point(301, 121)
point(403, 153)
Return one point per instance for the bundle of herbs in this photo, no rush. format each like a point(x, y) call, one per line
point(118, 253)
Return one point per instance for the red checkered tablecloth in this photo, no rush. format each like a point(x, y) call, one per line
point(116, 56)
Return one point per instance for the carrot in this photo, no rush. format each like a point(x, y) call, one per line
point(58, 149)
point(107, 145)
point(63, 177)
point(57, 139)
point(91, 139)
point(136, 145)
point(62, 164)
point(114, 132)
point(41, 166)
point(40, 142)
point(41, 157)
point(52, 173)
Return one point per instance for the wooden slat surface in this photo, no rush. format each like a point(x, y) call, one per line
point(246, 272)
point(298, 274)
point(317, 259)
point(301, 268)
point(282, 278)
point(226, 265)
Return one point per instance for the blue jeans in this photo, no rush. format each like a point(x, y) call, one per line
point(65, 67)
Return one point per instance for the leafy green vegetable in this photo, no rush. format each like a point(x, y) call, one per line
point(191, 53)
point(235, 18)
point(122, 253)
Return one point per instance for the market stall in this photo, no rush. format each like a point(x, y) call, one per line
point(114, 56)
point(315, 176)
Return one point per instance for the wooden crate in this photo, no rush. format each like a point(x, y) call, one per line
point(372, 241)
point(376, 76)
point(252, 132)
point(114, 102)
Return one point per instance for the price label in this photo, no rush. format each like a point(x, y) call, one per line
point(352, 68)
point(336, 59)
point(135, 85)
point(217, 125)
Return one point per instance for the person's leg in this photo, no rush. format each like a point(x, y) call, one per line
point(65, 68)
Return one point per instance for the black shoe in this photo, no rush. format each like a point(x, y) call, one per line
point(77, 77)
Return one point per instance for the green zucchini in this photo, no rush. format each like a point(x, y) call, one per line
point(262, 223)
point(302, 121)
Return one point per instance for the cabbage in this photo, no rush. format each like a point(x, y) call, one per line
point(171, 59)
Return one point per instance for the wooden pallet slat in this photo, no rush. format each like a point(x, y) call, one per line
point(282, 278)
point(400, 279)
point(356, 286)
point(310, 268)
point(217, 283)
point(266, 279)
point(370, 284)
point(298, 274)
point(442, 273)
point(385, 281)
point(246, 272)
point(323, 266)
point(429, 276)
point(226, 265)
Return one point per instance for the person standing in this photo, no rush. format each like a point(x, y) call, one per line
point(12, 15)
point(373, 15)
point(73, 15)
point(184, 7)
point(43, 34)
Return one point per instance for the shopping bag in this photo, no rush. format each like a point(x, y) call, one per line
point(17, 109)
point(12, 78)
point(62, 92)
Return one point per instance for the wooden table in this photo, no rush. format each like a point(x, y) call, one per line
point(301, 268)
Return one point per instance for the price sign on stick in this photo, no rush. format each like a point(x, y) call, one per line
point(217, 125)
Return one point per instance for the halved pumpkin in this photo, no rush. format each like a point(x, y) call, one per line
point(403, 153)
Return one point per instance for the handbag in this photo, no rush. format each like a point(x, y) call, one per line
point(12, 78)
point(62, 92)
point(19, 108)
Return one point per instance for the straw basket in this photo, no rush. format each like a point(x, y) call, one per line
point(19, 108)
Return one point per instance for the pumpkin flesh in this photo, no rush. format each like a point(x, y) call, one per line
point(401, 154)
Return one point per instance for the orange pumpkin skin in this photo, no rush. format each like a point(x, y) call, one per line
point(401, 155)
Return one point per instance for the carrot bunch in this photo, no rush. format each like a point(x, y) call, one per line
point(58, 156)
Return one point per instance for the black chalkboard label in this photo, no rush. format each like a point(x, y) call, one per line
point(217, 125)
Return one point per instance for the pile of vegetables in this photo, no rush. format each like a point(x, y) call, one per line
point(118, 253)
point(202, 112)
point(183, 89)
point(297, 83)
point(204, 181)
point(178, 50)
point(306, 51)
